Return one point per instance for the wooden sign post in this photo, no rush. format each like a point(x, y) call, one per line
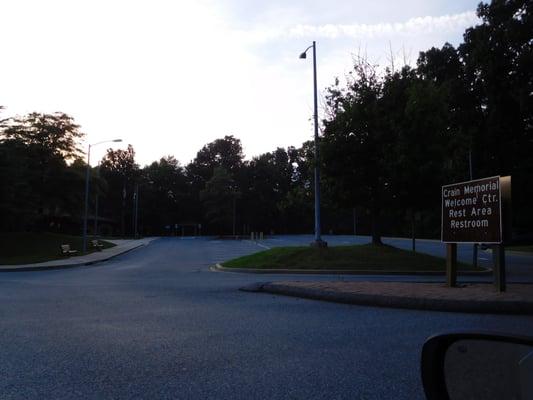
point(451, 264)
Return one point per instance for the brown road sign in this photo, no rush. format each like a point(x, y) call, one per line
point(471, 211)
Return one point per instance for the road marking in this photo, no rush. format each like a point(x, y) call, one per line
point(263, 245)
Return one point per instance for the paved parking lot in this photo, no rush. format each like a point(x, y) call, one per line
point(157, 323)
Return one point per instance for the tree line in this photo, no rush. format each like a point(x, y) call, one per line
point(43, 176)
point(390, 139)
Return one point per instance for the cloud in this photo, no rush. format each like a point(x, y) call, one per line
point(169, 76)
point(412, 27)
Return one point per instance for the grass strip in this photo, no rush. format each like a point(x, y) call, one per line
point(524, 248)
point(28, 248)
point(358, 257)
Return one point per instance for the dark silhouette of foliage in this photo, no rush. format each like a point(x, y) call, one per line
point(225, 153)
point(119, 169)
point(56, 133)
point(37, 183)
point(356, 145)
point(165, 196)
point(390, 140)
point(219, 197)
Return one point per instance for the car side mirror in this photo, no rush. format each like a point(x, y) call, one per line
point(485, 366)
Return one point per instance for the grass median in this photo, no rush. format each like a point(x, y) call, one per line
point(527, 248)
point(28, 248)
point(356, 258)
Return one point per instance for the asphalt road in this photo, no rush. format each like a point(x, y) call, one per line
point(157, 323)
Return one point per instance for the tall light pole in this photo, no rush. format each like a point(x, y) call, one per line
point(471, 170)
point(87, 175)
point(95, 229)
point(136, 210)
point(318, 242)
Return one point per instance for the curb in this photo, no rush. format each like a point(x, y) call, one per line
point(428, 304)
point(519, 253)
point(512, 252)
point(67, 266)
point(220, 268)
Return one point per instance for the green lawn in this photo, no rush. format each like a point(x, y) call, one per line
point(26, 248)
point(360, 257)
point(526, 248)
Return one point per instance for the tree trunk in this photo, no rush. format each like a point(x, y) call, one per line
point(376, 231)
point(413, 231)
point(122, 212)
point(234, 214)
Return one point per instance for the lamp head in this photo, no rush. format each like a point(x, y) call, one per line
point(117, 140)
point(303, 55)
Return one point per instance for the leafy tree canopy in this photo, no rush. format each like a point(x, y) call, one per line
point(226, 153)
point(218, 197)
point(120, 162)
point(57, 133)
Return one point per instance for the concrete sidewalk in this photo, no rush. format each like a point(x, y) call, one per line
point(122, 246)
point(478, 297)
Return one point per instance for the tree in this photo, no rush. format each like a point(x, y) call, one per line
point(296, 207)
point(219, 198)
point(18, 199)
point(498, 60)
point(356, 147)
point(265, 182)
point(56, 133)
point(40, 146)
point(445, 69)
point(119, 169)
point(121, 162)
point(415, 111)
point(164, 188)
point(225, 153)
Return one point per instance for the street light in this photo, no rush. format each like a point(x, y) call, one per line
point(318, 242)
point(87, 189)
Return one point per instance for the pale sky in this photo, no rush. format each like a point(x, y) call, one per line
point(170, 76)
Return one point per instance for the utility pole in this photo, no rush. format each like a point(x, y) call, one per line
point(354, 226)
point(475, 245)
point(86, 213)
point(136, 211)
point(87, 176)
point(318, 242)
point(123, 213)
point(234, 213)
point(95, 232)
